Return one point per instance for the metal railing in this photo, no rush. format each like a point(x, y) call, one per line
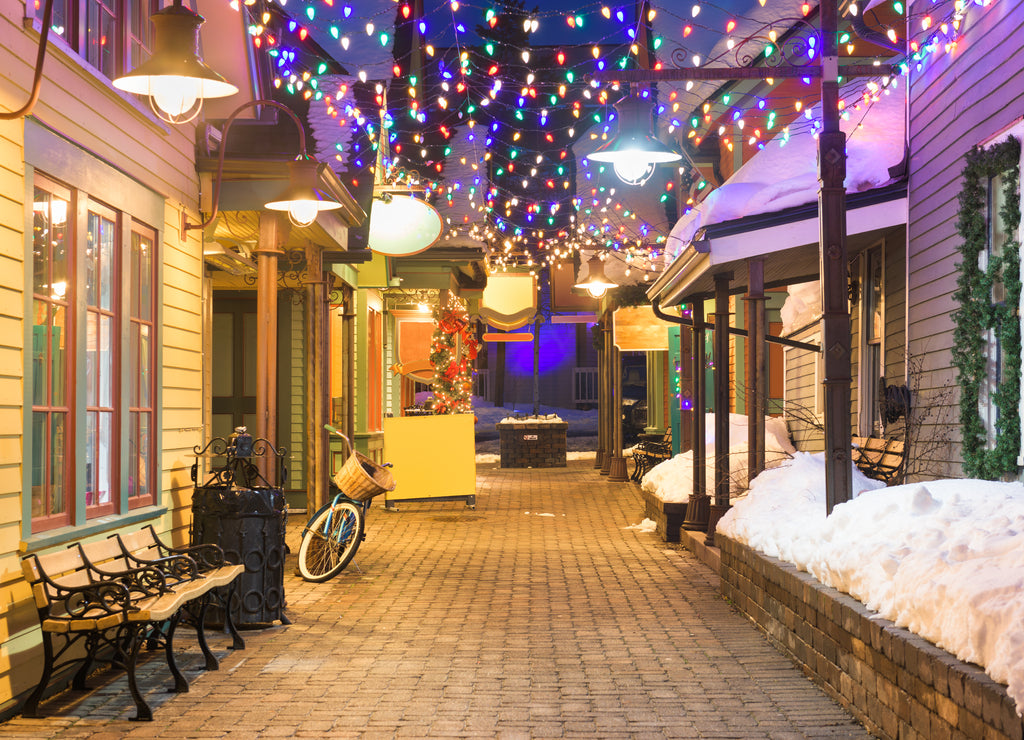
point(584, 384)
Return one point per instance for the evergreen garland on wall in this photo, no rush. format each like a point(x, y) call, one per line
point(977, 314)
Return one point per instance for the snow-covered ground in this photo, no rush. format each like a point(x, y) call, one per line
point(944, 559)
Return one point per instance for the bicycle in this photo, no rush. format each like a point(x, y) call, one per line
point(333, 534)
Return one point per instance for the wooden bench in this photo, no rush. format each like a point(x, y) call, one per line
point(97, 603)
point(649, 453)
point(879, 458)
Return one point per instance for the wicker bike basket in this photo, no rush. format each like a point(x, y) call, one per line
point(360, 478)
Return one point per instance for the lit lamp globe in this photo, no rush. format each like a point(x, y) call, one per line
point(596, 282)
point(302, 199)
point(175, 78)
point(634, 152)
point(402, 225)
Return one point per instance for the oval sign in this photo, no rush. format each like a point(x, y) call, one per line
point(403, 225)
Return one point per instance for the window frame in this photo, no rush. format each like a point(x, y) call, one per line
point(131, 39)
point(868, 416)
point(51, 520)
point(54, 158)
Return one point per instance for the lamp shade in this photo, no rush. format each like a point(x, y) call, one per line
point(175, 78)
point(596, 282)
point(635, 151)
point(401, 225)
point(302, 199)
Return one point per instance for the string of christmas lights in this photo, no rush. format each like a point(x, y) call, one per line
point(527, 113)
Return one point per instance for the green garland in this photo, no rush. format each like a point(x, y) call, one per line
point(977, 314)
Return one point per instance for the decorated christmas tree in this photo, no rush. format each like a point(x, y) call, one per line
point(452, 351)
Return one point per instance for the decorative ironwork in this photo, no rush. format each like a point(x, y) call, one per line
point(799, 45)
point(238, 468)
point(396, 297)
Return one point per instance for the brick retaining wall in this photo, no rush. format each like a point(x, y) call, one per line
point(897, 683)
point(668, 516)
point(532, 445)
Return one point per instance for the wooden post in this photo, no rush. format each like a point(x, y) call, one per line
point(656, 422)
point(697, 507)
point(721, 388)
point(317, 381)
point(609, 395)
point(835, 307)
point(267, 252)
point(617, 468)
point(756, 345)
point(602, 443)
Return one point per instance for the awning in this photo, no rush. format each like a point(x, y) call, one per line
point(788, 239)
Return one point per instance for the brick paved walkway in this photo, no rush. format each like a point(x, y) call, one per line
point(536, 615)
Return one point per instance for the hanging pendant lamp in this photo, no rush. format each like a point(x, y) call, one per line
point(175, 78)
point(596, 282)
point(635, 151)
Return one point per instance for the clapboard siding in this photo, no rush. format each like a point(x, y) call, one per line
point(114, 134)
point(951, 111)
point(801, 393)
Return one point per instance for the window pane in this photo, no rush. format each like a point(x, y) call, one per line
point(60, 22)
point(39, 459)
point(105, 444)
point(59, 335)
point(40, 352)
point(91, 357)
point(90, 459)
point(142, 277)
point(100, 37)
point(106, 246)
point(58, 484)
point(92, 258)
point(145, 366)
point(50, 245)
point(106, 359)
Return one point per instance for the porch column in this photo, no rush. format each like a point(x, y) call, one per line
point(756, 396)
point(609, 395)
point(317, 380)
point(835, 320)
point(602, 444)
point(617, 467)
point(721, 390)
point(655, 392)
point(268, 249)
point(697, 508)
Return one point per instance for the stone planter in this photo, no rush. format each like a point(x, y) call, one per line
point(532, 444)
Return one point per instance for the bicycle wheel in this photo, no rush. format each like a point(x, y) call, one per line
point(330, 542)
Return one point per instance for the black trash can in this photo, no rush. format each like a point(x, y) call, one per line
point(249, 525)
point(243, 512)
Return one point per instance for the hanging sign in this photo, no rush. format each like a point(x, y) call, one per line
point(637, 329)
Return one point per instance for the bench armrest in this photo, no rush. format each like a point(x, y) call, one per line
point(175, 568)
point(85, 602)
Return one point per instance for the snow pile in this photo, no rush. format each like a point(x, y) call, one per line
point(647, 525)
point(944, 559)
point(802, 306)
point(672, 480)
point(540, 419)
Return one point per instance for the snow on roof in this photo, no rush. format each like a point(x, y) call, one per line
point(785, 172)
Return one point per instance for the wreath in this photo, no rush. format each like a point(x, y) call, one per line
point(977, 314)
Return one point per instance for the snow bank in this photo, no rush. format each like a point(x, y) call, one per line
point(944, 559)
point(672, 480)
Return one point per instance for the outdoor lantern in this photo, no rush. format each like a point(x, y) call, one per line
point(635, 151)
point(401, 225)
point(302, 199)
point(596, 283)
point(175, 78)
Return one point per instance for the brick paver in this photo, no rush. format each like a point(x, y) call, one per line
point(537, 615)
